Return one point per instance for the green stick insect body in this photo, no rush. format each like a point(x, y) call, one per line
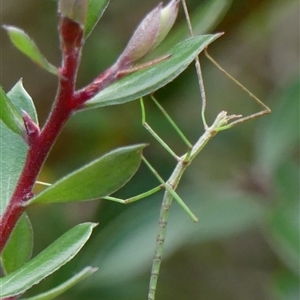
point(222, 122)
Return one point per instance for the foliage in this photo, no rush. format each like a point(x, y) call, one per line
point(265, 200)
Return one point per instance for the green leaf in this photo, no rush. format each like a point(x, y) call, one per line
point(47, 262)
point(278, 134)
point(10, 115)
point(13, 149)
point(22, 100)
point(52, 294)
point(13, 256)
point(150, 79)
point(23, 42)
point(99, 178)
point(96, 9)
point(12, 158)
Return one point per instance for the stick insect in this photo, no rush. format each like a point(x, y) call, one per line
point(221, 122)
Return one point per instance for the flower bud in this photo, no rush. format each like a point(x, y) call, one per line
point(75, 10)
point(72, 21)
point(150, 33)
point(168, 16)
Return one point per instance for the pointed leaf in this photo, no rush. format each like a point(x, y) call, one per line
point(47, 262)
point(52, 294)
point(96, 9)
point(150, 79)
point(13, 256)
point(100, 178)
point(23, 42)
point(22, 100)
point(10, 115)
point(13, 149)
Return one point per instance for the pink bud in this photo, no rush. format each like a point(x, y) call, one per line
point(150, 33)
point(168, 16)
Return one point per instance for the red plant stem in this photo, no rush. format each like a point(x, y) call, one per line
point(67, 102)
point(39, 149)
point(101, 82)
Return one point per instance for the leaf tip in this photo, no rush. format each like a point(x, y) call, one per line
point(141, 147)
point(6, 27)
point(93, 225)
point(93, 269)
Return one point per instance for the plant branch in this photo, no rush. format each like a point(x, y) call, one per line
point(71, 34)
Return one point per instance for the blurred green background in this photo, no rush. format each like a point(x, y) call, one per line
point(244, 186)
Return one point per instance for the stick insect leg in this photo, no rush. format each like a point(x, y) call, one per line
point(171, 191)
point(265, 111)
point(186, 141)
point(155, 135)
point(152, 132)
point(198, 68)
point(134, 198)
